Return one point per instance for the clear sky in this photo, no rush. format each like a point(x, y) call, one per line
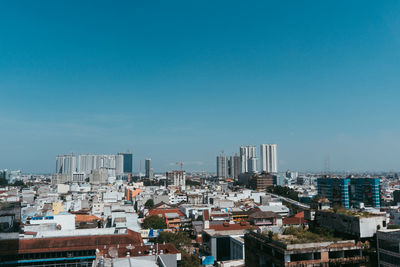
point(183, 80)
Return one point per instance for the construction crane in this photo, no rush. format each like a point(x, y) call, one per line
point(181, 163)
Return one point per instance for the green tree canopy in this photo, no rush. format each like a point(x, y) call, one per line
point(189, 260)
point(149, 204)
point(284, 191)
point(179, 239)
point(154, 222)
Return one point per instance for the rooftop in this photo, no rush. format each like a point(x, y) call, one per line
point(354, 213)
point(292, 235)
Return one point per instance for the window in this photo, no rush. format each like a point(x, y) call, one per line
point(389, 258)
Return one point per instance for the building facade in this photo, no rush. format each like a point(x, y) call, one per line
point(246, 153)
point(388, 248)
point(262, 251)
point(350, 191)
point(177, 178)
point(66, 164)
point(269, 159)
point(222, 166)
point(234, 167)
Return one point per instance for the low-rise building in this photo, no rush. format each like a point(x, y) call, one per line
point(357, 224)
point(265, 251)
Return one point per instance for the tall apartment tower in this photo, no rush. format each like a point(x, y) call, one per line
point(269, 160)
point(149, 170)
point(246, 153)
point(234, 167)
point(222, 166)
point(252, 165)
point(66, 164)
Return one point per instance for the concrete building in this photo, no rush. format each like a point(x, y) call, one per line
point(149, 170)
point(358, 224)
point(252, 165)
point(90, 162)
point(217, 240)
point(177, 178)
point(262, 181)
point(246, 153)
point(66, 164)
point(388, 248)
point(289, 251)
point(269, 159)
point(222, 166)
point(234, 167)
point(98, 176)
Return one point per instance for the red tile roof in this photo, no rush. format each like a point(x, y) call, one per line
point(164, 211)
point(299, 215)
point(293, 220)
point(86, 218)
point(230, 227)
point(39, 245)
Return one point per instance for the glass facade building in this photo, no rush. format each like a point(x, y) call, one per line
point(127, 161)
point(350, 191)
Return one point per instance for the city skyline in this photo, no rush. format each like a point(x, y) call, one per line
point(183, 81)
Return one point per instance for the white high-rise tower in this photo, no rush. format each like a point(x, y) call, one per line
point(246, 153)
point(269, 160)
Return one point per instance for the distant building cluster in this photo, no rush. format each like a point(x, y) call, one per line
point(248, 162)
point(96, 168)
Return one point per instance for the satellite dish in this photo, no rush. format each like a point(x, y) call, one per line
point(113, 252)
point(130, 247)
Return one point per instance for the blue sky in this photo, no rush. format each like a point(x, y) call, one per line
point(183, 80)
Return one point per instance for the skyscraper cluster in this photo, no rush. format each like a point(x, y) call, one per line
point(113, 165)
point(247, 161)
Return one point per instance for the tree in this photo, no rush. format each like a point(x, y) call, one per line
point(149, 204)
point(179, 239)
point(154, 222)
point(189, 260)
point(183, 243)
point(19, 183)
point(283, 191)
point(199, 218)
point(3, 182)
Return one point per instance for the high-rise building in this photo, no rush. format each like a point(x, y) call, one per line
point(252, 165)
point(66, 164)
point(350, 191)
point(177, 178)
point(128, 162)
point(222, 166)
point(246, 153)
point(149, 170)
point(88, 163)
point(269, 160)
point(234, 167)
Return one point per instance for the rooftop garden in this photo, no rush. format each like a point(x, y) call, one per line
point(353, 213)
point(293, 235)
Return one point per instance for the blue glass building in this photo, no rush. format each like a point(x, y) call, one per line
point(350, 191)
point(335, 189)
point(128, 162)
